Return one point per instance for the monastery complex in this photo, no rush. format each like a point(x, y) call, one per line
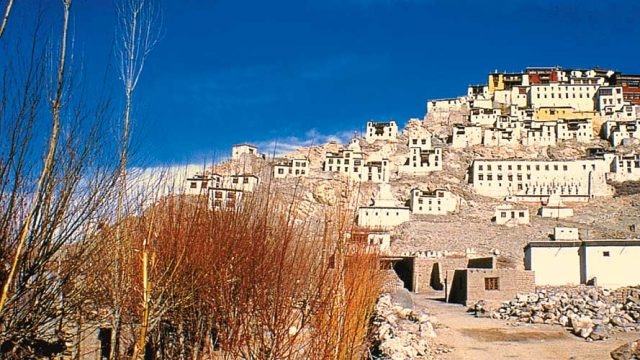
point(507, 139)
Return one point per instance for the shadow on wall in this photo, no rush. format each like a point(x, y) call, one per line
point(404, 270)
point(458, 292)
point(436, 282)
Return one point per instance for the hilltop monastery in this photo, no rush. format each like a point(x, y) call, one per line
point(538, 108)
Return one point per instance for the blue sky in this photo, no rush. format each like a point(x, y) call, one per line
point(300, 71)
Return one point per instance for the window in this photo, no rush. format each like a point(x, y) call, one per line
point(606, 253)
point(193, 185)
point(521, 214)
point(235, 180)
point(503, 214)
point(280, 171)
point(491, 283)
point(245, 180)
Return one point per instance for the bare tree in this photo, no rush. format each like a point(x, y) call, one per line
point(137, 35)
point(43, 190)
point(49, 210)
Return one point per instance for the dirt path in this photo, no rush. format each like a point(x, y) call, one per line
point(481, 338)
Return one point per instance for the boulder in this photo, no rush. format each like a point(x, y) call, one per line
point(628, 351)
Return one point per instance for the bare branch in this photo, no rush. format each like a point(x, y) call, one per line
point(5, 19)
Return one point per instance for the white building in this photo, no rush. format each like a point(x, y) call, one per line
point(383, 213)
point(579, 97)
point(539, 133)
point(554, 208)
point(625, 168)
point(241, 149)
point(298, 167)
point(437, 202)
point(627, 113)
point(617, 131)
point(200, 183)
point(565, 233)
point(610, 99)
point(351, 164)
point(501, 137)
point(446, 105)
point(478, 92)
point(466, 135)
point(580, 130)
point(486, 117)
point(422, 161)
point(511, 216)
point(535, 180)
point(386, 131)
point(607, 263)
point(222, 198)
point(244, 182)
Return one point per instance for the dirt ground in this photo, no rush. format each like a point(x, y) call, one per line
point(482, 338)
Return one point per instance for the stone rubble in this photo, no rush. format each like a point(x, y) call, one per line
point(589, 312)
point(401, 333)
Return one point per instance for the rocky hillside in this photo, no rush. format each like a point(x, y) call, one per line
point(471, 227)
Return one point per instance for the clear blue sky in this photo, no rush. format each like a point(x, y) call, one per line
point(232, 71)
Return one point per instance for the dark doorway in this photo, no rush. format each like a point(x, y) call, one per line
point(404, 270)
point(458, 291)
point(104, 337)
point(435, 281)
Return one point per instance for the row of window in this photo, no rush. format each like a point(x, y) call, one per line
point(520, 214)
point(220, 203)
point(420, 201)
point(537, 167)
point(566, 96)
point(356, 162)
point(297, 172)
point(528, 167)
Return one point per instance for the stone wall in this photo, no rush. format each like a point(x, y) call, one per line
point(467, 286)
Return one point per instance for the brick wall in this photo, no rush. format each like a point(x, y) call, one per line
point(510, 283)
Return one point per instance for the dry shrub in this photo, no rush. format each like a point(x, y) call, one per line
point(254, 282)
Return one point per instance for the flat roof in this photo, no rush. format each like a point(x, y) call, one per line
point(529, 160)
point(244, 144)
point(578, 243)
point(384, 207)
point(244, 175)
